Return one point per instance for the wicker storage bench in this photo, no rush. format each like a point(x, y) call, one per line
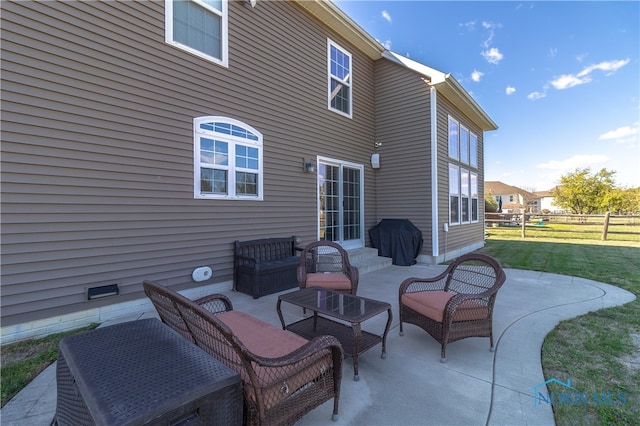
point(265, 266)
point(284, 375)
point(142, 372)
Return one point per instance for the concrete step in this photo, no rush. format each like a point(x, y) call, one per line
point(366, 259)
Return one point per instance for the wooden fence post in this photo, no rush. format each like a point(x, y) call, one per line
point(605, 228)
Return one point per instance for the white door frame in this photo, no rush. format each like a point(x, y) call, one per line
point(354, 242)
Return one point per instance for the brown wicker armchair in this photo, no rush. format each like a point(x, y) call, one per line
point(326, 264)
point(457, 303)
point(284, 375)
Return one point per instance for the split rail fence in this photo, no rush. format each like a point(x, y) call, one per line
point(605, 223)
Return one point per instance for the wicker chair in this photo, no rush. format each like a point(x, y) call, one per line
point(284, 375)
point(455, 304)
point(326, 264)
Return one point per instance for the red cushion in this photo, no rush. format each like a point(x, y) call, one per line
point(266, 340)
point(259, 337)
point(433, 303)
point(329, 280)
point(428, 303)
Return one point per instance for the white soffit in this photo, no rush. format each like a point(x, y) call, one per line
point(338, 21)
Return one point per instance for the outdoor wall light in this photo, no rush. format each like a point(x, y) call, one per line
point(252, 2)
point(308, 166)
point(375, 160)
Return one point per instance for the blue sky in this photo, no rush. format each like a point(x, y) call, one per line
point(561, 79)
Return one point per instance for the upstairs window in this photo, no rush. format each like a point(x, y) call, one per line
point(463, 180)
point(199, 27)
point(227, 159)
point(454, 139)
point(340, 76)
point(473, 151)
point(463, 144)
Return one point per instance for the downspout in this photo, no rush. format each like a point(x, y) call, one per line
point(435, 228)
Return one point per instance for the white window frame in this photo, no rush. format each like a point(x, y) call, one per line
point(224, 42)
point(240, 134)
point(464, 144)
point(473, 150)
point(454, 192)
point(463, 168)
point(473, 186)
point(453, 138)
point(348, 82)
point(465, 198)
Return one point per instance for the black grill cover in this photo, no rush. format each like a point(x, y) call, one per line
point(398, 239)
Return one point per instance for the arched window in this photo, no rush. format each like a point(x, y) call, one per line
point(227, 159)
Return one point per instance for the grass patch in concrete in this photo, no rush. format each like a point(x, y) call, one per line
point(23, 361)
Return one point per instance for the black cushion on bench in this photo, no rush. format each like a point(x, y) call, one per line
point(270, 265)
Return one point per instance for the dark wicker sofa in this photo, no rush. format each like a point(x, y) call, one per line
point(265, 266)
point(284, 375)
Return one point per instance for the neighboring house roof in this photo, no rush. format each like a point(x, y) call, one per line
point(549, 193)
point(501, 188)
point(444, 83)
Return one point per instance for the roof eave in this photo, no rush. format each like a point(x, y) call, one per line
point(454, 92)
point(342, 24)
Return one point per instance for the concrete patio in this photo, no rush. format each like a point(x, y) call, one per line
point(411, 386)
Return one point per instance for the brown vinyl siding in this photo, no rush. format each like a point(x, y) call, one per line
point(403, 126)
point(97, 145)
point(466, 234)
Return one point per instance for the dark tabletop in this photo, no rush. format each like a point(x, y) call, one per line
point(336, 304)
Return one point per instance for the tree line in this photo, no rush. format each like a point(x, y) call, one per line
point(583, 192)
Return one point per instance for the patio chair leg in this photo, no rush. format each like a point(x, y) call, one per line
point(334, 416)
point(401, 331)
point(443, 357)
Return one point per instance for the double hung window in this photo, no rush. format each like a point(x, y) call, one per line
point(199, 27)
point(227, 159)
point(463, 174)
point(339, 79)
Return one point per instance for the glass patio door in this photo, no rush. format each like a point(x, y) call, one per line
point(340, 203)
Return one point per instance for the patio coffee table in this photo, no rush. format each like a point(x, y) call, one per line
point(334, 306)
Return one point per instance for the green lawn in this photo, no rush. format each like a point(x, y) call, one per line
point(599, 351)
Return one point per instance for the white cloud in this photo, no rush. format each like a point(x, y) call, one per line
point(572, 163)
point(581, 57)
point(536, 95)
point(476, 75)
point(553, 52)
point(387, 44)
point(620, 133)
point(386, 16)
point(609, 67)
point(510, 90)
point(570, 80)
point(491, 27)
point(493, 55)
point(469, 26)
